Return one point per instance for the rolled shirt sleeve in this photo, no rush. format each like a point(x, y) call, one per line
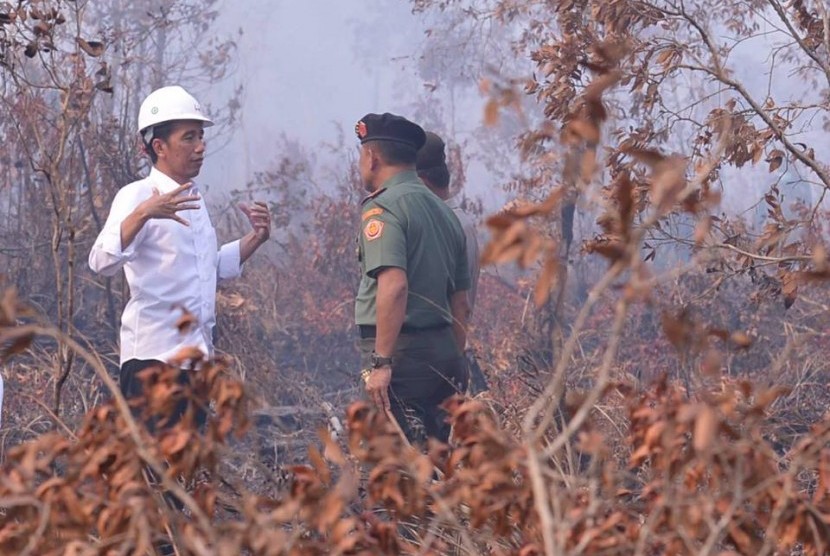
point(229, 265)
point(107, 256)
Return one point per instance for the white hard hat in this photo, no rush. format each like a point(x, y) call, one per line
point(166, 105)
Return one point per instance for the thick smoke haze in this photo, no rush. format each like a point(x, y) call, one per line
point(309, 70)
point(307, 74)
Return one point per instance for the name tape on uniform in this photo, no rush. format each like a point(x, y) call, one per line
point(377, 211)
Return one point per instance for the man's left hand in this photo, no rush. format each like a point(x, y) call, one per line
point(260, 218)
point(377, 386)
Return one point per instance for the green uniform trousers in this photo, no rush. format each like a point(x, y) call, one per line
point(428, 368)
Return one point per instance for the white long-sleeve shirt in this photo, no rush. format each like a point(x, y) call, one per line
point(168, 266)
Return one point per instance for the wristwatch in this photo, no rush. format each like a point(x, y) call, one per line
point(376, 361)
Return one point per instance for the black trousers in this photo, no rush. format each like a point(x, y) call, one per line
point(428, 368)
point(132, 387)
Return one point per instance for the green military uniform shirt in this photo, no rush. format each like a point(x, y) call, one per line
point(405, 225)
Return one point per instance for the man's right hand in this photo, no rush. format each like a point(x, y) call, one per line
point(167, 205)
point(377, 386)
point(157, 206)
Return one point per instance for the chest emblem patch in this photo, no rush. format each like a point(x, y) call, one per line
point(373, 229)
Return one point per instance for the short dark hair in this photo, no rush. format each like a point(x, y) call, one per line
point(162, 131)
point(394, 153)
point(437, 176)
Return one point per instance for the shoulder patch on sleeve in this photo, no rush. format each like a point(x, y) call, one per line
point(377, 211)
point(373, 229)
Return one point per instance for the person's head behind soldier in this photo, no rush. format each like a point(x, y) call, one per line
point(432, 165)
point(388, 144)
point(171, 124)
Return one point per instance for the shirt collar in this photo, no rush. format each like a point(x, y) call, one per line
point(401, 177)
point(454, 202)
point(166, 184)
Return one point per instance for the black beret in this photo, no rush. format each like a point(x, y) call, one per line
point(432, 154)
point(389, 127)
point(431, 163)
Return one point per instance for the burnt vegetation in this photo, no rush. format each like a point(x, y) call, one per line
point(658, 366)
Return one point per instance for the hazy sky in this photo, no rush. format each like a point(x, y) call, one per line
point(310, 66)
point(299, 64)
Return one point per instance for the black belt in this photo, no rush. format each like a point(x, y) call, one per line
point(371, 331)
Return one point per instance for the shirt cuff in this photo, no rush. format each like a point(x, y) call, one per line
point(229, 261)
point(111, 244)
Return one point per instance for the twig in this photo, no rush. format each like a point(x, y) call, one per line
point(603, 378)
point(762, 257)
point(815, 57)
point(52, 414)
point(720, 74)
point(132, 427)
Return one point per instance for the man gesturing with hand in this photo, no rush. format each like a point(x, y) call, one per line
point(158, 230)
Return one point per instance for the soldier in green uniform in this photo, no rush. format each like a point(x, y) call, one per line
point(411, 307)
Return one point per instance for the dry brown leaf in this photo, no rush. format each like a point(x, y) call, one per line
point(649, 157)
point(702, 230)
point(757, 152)
point(173, 443)
point(595, 89)
point(687, 412)
point(639, 455)
point(546, 281)
point(706, 425)
point(15, 340)
point(775, 160)
point(789, 287)
point(323, 471)
point(92, 48)
point(491, 113)
point(741, 339)
point(8, 307)
point(624, 194)
point(678, 329)
point(522, 211)
point(187, 321)
point(187, 353)
point(819, 257)
point(507, 255)
point(742, 539)
point(665, 56)
point(588, 165)
point(534, 246)
point(609, 247)
point(500, 221)
point(41, 28)
point(331, 511)
point(584, 130)
point(331, 450)
point(592, 443)
point(771, 235)
point(654, 433)
point(765, 398)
